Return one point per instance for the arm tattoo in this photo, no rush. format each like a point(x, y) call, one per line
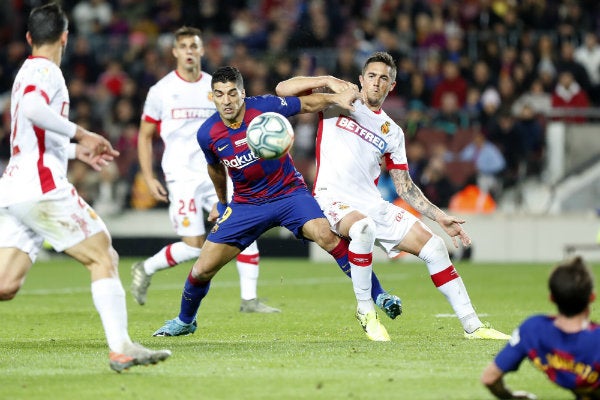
point(411, 193)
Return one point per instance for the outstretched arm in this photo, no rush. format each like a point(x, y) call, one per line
point(411, 193)
point(319, 101)
point(301, 85)
point(492, 378)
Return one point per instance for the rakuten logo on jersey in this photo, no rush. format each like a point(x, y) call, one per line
point(240, 160)
point(351, 125)
point(191, 113)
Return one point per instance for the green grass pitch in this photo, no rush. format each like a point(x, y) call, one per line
point(52, 344)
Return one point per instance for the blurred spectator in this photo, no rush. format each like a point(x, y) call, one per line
point(568, 98)
point(509, 138)
point(10, 61)
point(451, 82)
point(490, 106)
point(416, 155)
point(547, 75)
point(472, 109)
point(449, 117)
point(489, 163)
point(386, 186)
point(588, 55)
point(539, 101)
point(113, 77)
point(435, 183)
point(480, 76)
point(416, 118)
point(82, 62)
point(534, 140)
point(418, 90)
point(345, 65)
point(91, 16)
point(506, 90)
point(566, 62)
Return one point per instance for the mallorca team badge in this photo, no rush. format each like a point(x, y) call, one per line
point(385, 128)
point(185, 222)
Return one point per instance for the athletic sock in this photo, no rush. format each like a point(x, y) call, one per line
point(247, 266)
point(194, 291)
point(445, 277)
point(340, 254)
point(109, 299)
point(169, 256)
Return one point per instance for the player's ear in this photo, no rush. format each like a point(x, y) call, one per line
point(28, 38)
point(552, 298)
point(64, 37)
point(592, 297)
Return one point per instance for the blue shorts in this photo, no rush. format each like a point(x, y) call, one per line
point(242, 223)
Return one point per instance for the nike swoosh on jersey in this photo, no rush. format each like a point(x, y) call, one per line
point(221, 148)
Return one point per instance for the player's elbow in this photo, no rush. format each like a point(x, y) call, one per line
point(491, 375)
point(8, 290)
point(280, 89)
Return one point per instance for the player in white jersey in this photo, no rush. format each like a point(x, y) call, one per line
point(37, 202)
point(350, 149)
point(176, 106)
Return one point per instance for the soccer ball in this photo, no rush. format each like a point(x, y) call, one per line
point(270, 135)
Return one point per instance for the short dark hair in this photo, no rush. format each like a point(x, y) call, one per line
point(228, 74)
point(187, 31)
point(571, 284)
point(46, 24)
point(383, 57)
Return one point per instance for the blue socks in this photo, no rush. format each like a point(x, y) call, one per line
point(194, 291)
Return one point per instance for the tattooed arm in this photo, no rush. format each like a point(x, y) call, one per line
point(411, 193)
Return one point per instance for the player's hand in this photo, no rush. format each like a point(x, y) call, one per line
point(95, 143)
point(452, 226)
point(216, 212)
point(157, 190)
point(337, 85)
point(97, 162)
point(347, 97)
point(521, 394)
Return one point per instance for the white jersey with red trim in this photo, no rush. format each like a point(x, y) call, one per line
point(39, 157)
point(350, 149)
point(179, 107)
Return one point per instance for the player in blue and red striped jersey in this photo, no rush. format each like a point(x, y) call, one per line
point(566, 347)
point(266, 194)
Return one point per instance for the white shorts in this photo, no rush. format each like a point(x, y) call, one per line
point(187, 200)
point(60, 217)
point(392, 222)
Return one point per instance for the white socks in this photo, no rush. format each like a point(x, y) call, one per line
point(360, 255)
point(247, 266)
point(109, 299)
point(449, 283)
point(169, 256)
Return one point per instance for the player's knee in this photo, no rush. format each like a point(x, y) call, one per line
point(363, 230)
point(326, 239)
point(434, 249)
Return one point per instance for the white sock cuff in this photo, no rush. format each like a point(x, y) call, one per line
point(108, 286)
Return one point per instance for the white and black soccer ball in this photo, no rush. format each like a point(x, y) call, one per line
point(270, 135)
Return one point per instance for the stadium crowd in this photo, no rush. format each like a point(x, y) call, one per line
point(477, 79)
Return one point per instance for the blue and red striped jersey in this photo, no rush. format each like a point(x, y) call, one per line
point(571, 360)
point(255, 180)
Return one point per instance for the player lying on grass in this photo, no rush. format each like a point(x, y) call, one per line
point(351, 144)
point(566, 346)
point(37, 202)
point(266, 194)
